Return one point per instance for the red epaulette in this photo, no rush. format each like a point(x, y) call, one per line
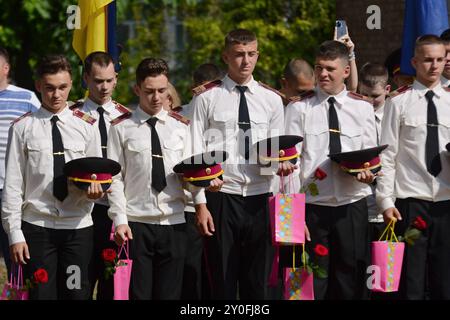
point(121, 108)
point(179, 117)
point(21, 117)
point(358, 96)
point(76, 105)
point(83, 116)
point(446, 88)
point(206, 86)
point(399, 91)
point(120, 118)
point(305, 95)
point(282, 95)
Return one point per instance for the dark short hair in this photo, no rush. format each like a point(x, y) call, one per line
point(52, 64)
point(372, 74)
point(206, 72)
point(4, 53)
point(295, 67)
point(100, 58)
point(445, 36)
point(427, 39)
point(239, 36)
point(331, 50)
point(151, 67)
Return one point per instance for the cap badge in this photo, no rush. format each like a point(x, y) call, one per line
point(366, 165)
point(208, 171)
point(282, 153)
point(94, 176)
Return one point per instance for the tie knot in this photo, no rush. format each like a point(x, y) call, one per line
point(100, 110)
point(54, 119)
point(152, 121)
point(429, 94)
point(331, 100)
point(242, 89)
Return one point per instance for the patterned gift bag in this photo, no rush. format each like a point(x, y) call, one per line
point(298, 282)
point(388, 257)
point(13, 290)
point(122, 275)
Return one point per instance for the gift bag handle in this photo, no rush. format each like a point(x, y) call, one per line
point(389, 232)
point(16, 282)
point(303, 257)
point(126, 250)
point(290, 184)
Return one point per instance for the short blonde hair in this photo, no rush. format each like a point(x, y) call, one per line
point(174, 97)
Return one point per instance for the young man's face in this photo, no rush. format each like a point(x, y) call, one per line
point(54, 89)
point(241, 60)
point(101, 82)
point(377, 92)
point(153, 93)
point(429, 61)
point(446, 72)
point(4, 70)
point(331, 74)
point(294, 87)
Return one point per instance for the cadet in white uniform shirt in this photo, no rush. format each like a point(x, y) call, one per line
point(239, 249)
point(101, 79)
point(47, 219)
point(331, 120)
point(147, 200)
point(416, 169)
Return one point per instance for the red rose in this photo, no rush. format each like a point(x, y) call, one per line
point(419, 223)
point(41, 276)
point(321, 250)
point(319, 174)
point(109, 255)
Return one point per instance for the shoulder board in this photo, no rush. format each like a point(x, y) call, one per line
point(179, 117)
point(282, 95)
point(83, 116)
point(76, 105)
point(399, 91)
point(206, 86)
point(305, 95)
point(121, 108)
point(21, 117)
point(120, 118)
point(358, 96)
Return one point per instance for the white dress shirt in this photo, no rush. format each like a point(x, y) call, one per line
point(444, 81)
point(404, 128)
point(28, 191)
point(186, 111)
point(309, 118)
point(214, 126)
point(132, 197)
point(112, 111)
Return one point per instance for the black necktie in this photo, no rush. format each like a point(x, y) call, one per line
point(59, 179)
point(158, 174)
point(432, 157)
point(244, 120)
point(103, 132)
point(333, 124)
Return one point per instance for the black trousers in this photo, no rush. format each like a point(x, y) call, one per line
point(192, 273)
point(238, 251)
point(426, 264)
point(158, 253)
point(344, 231)
point(102, 230)
point(66, 255)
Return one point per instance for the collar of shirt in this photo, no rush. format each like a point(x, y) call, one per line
point(444, 81)
point(340, 97)
point(421, 90)
point(379, 111)
point(92, 106)
point(143, 116)
point(230, 84)
point(63, 116)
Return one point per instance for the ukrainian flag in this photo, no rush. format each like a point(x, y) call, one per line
point(421, 17)
point(97, 29)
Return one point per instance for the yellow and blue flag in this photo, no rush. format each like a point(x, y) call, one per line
point(421, 17)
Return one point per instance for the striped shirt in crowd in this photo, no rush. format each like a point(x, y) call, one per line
point(14, 102)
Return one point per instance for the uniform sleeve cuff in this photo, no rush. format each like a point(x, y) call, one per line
point(386, 204)
point(199, 197)
point(120, 219)
point(16, 237)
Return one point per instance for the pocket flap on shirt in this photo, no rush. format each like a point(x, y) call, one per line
point(138, 145)
point(173, 144)
point(351, 131)
point(74, 146)
point(222, 116)
point(37, 145)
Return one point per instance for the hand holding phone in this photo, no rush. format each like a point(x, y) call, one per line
point(340, 30)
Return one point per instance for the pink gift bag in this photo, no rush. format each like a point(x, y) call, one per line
point(14, 289)
point(298, 284)
point(287, 217)
point(122, 276)
point(388, 257)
